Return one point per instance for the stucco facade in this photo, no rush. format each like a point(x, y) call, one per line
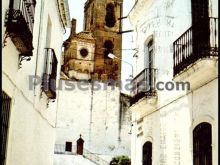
point(31, 131)
point(96, 114)
point(168, 119)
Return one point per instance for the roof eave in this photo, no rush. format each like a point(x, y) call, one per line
point(64, 12)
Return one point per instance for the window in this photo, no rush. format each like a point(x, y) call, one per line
point(202, 144)
point(110, 15)
point(4, 124)
point(149, 62)
point(109, 46)
point(68, 146)
point(92, 15)
point(84, 52)
point(149, 52)
point(147, 153)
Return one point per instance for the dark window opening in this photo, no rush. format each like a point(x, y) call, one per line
point(109, 46)
point(200, 26)
point(68, 147)
point(110, 19)
point(202, 144)
point(147, 153)
point(92, 15)
point(4, 125)
point(149, 54)
point(84, 52)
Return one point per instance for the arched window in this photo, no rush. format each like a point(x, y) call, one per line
point(110, 15)
point(202, 144)
point(147, 154)
point(108, 45)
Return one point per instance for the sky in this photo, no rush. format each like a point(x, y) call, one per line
point(76, 8)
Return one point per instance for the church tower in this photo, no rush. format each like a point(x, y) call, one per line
point(101, 18)
point(86, 53)
point(98, 112)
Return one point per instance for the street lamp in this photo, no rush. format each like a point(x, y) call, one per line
point(112, 56)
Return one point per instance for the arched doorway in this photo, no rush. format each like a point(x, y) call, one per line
point(202, 144)
point(147, 153)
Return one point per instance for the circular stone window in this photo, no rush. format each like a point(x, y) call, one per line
point(84, 52)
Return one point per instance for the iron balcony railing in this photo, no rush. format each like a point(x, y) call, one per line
point(19, 24)
point(24, 9)
point(199, 41)
point(144, 84)
point(50, 74)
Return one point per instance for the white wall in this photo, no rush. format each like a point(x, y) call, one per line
point(170, 126)
point(95, 115)
point(31, 134)
point(71, 159)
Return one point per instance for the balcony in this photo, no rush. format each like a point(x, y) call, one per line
point(144, 93)
point(196, 53)
point(19, 25)
point(50, 74)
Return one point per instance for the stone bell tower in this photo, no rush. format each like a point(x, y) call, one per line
point(101, 19)
point(95, 112)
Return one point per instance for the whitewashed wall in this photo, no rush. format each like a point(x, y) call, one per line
point(170, 126)
point(31, 133)
point(95, 115)
point(71, 159)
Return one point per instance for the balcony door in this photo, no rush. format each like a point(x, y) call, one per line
point(200, 26)
point(202, 144)
point(147, 153)
point(149, 64)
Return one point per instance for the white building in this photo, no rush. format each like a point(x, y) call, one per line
point(33, 36)
point(177, 42)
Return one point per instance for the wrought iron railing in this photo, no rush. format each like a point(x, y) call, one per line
point(199, 41)
point(144, 84)
point(19, 24)
point(50, 74)
point(25, 9)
